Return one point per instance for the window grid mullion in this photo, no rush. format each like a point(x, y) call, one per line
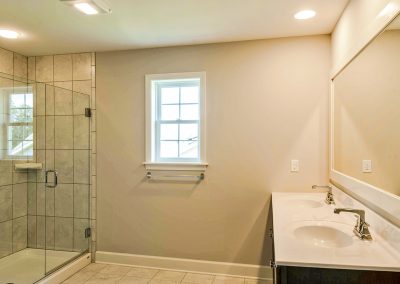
point(159, 122)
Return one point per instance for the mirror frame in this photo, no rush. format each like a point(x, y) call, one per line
point(384, 203)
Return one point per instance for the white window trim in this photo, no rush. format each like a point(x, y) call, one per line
point(150, 162)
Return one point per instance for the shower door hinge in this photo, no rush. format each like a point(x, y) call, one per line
point(88, 112)
point(88, 233)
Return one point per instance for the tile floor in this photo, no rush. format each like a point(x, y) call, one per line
point(97, 273)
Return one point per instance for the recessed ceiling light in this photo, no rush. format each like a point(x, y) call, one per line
point(90, 7)
point(9, 34)
point(305, 14)
point(86, 8)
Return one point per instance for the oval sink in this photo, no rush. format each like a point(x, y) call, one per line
point(327, 234)
point(304, 203)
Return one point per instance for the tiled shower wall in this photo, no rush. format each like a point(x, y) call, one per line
point(13, 184)
point(66, 143)
point(65, 85)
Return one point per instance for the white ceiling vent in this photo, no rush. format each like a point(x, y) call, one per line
point(90, 7)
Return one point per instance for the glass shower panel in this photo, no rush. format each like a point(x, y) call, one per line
point(66, 175)
point(22, 259)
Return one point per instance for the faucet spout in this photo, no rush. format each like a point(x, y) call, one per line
point(361, 228)
point(329, 196)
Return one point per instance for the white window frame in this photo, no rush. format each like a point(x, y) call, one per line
point(151, 162)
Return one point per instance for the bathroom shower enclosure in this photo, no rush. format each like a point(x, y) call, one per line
point(44, 178)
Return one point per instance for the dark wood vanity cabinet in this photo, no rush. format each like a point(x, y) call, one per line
point(308, 275)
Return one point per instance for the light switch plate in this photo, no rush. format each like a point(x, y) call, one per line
point(367, 166)
point(294, 166)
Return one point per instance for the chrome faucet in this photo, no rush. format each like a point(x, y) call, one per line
point(361, 228)
point(329, 196)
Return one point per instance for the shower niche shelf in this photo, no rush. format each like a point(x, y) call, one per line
point(29, 166)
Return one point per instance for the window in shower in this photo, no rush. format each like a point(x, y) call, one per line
point(19, 124)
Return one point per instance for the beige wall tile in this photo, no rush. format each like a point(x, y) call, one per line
point(93, 98)
point(20, 66)
point(62, 101)
point(80, 102)
point(49, 100)
point(64, 198)
point(44, 68)
point(32, 68)
point(81, 132)
point(63, 138)
point(40, 132)
point(64, 163)
point(84, 87)
point(81, 166)
point(82, 64)
point(6, 170)
point(49, 232)
point(32, 232)
point(50, 206)
point(32, 202)
point(20, 233)
point(40, 99)
point(6, 61)
point(20, 199)
point(65, 85)
point(63, 236)
point(41, 199)
point(5, 238)
point(41, 231)
point(63, 67)
point(49, 132)
point(81, 201)
point(5, 203)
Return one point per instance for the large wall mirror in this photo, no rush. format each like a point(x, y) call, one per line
point(366, 114)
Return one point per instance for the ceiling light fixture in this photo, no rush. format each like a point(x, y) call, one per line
point(90, 7)
point(86, 8)
point(9, 34)
point(305, 14)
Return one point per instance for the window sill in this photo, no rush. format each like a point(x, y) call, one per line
point(152, 166)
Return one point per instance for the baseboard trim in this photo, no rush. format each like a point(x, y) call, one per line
point(181, 264)
point(67, 271)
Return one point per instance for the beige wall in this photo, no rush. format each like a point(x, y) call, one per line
point(359, 23)
point(367, 113)
point(267, 103)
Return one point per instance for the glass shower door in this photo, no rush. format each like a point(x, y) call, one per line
point(66, 175)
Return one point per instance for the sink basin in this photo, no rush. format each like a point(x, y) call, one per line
point(303, 203)
point(323, 234)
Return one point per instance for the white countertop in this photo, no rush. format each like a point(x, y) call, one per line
point(292, 211)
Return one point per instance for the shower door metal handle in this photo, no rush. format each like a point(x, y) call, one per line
point(55, 182)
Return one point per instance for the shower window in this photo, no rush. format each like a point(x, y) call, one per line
point(19, 124)
point(175, 117)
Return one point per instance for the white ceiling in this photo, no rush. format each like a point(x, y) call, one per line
point(49, 26)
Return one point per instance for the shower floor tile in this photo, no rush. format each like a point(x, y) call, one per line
point(28, 265)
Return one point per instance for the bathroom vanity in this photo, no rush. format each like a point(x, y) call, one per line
point(312, 244)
